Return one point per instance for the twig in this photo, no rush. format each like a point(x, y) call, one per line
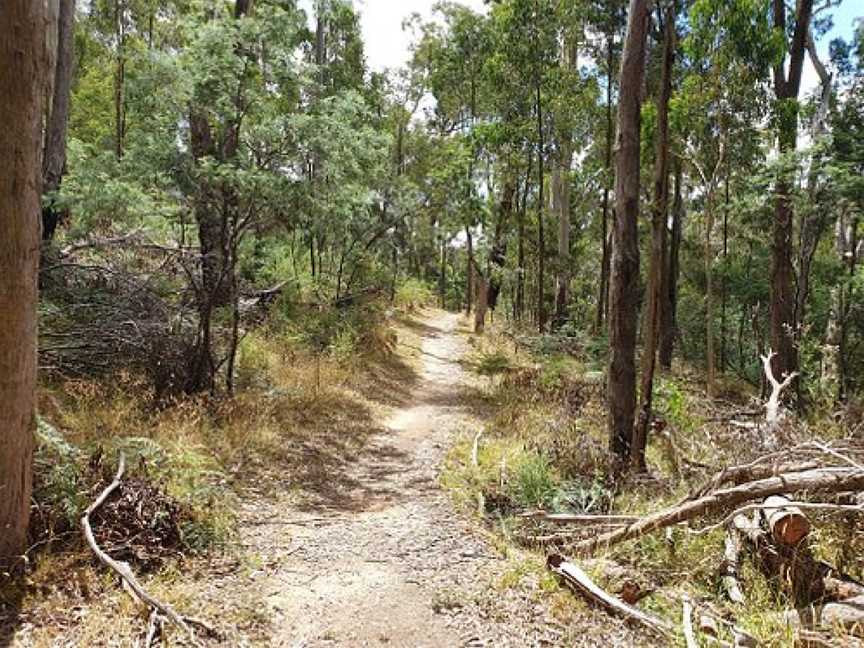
point(475, 450)
point(122, 569)
point(154, 628)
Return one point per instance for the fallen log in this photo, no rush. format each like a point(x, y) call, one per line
point(831, 479)
point(585, 518)
point(843, 616)
point(580, 582)
point(736, 475)
point(810, 580)
point(731, 560)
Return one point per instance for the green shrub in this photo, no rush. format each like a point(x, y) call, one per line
point(535, 483)
point(414, 293)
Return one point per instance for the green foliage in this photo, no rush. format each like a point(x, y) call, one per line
point(673, 403)
point(58, 486)
point(534, 484)
point(412, 293)
point(492, 363)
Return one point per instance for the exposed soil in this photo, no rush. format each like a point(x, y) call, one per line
point(388, 561)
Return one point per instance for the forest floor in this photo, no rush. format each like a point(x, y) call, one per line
point(345, 534)
point(375, 554)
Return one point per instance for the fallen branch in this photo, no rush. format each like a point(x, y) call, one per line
point(687, 623)
point(817, 506)
point(731, 564)
point(122, 569)
point(735, 475)
point(772, 408)
point(833, 479)
point(810, 580)
point(572, 518)
point(579, 581)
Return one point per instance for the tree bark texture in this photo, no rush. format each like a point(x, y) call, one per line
point(786, 88)
point(54, 158)
point(22, 84)
point(624, 286)
point(655, 301)
point(668, 313)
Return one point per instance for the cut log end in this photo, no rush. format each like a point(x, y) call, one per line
point(788, 524)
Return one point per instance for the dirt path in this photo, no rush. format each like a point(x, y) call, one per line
point(388, 561)
point(369, 576)
point(379, 570)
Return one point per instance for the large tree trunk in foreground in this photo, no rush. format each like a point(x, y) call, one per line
point(22, 78)
point(54, 158)
point(624, 287)
point(658, 245)
point(786, 88)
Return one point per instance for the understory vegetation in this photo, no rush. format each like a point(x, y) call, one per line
point(309, 389)
point(543, 448)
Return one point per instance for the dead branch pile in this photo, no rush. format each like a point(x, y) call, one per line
point(108, 307)
point(752, 501)
point(138, 522)
point(160, 611)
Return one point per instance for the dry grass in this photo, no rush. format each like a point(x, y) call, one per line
point(295, 421)
point(535, 417)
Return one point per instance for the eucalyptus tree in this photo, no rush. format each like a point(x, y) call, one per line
point(794, 29)
point(22, 41)
point(624, 286)
point(54, 155)
point(657, 262)
point(721, 102)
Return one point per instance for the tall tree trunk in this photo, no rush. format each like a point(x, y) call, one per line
point(561, 198)
point(723, 287)
point(561, 194)
point(624, 285)
point(833, 367)
point(520, 252)
point(814, 220)
point(442, 276)
point(498, 254)
point(482, 302)
point(658, 244)
point(23, 75)
point(603, 297)
point(668, 313)
point(786, 88)
point(541, 241)
point(119, 77)
point(469, 271)
point(708, 254)
point(54, 158)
